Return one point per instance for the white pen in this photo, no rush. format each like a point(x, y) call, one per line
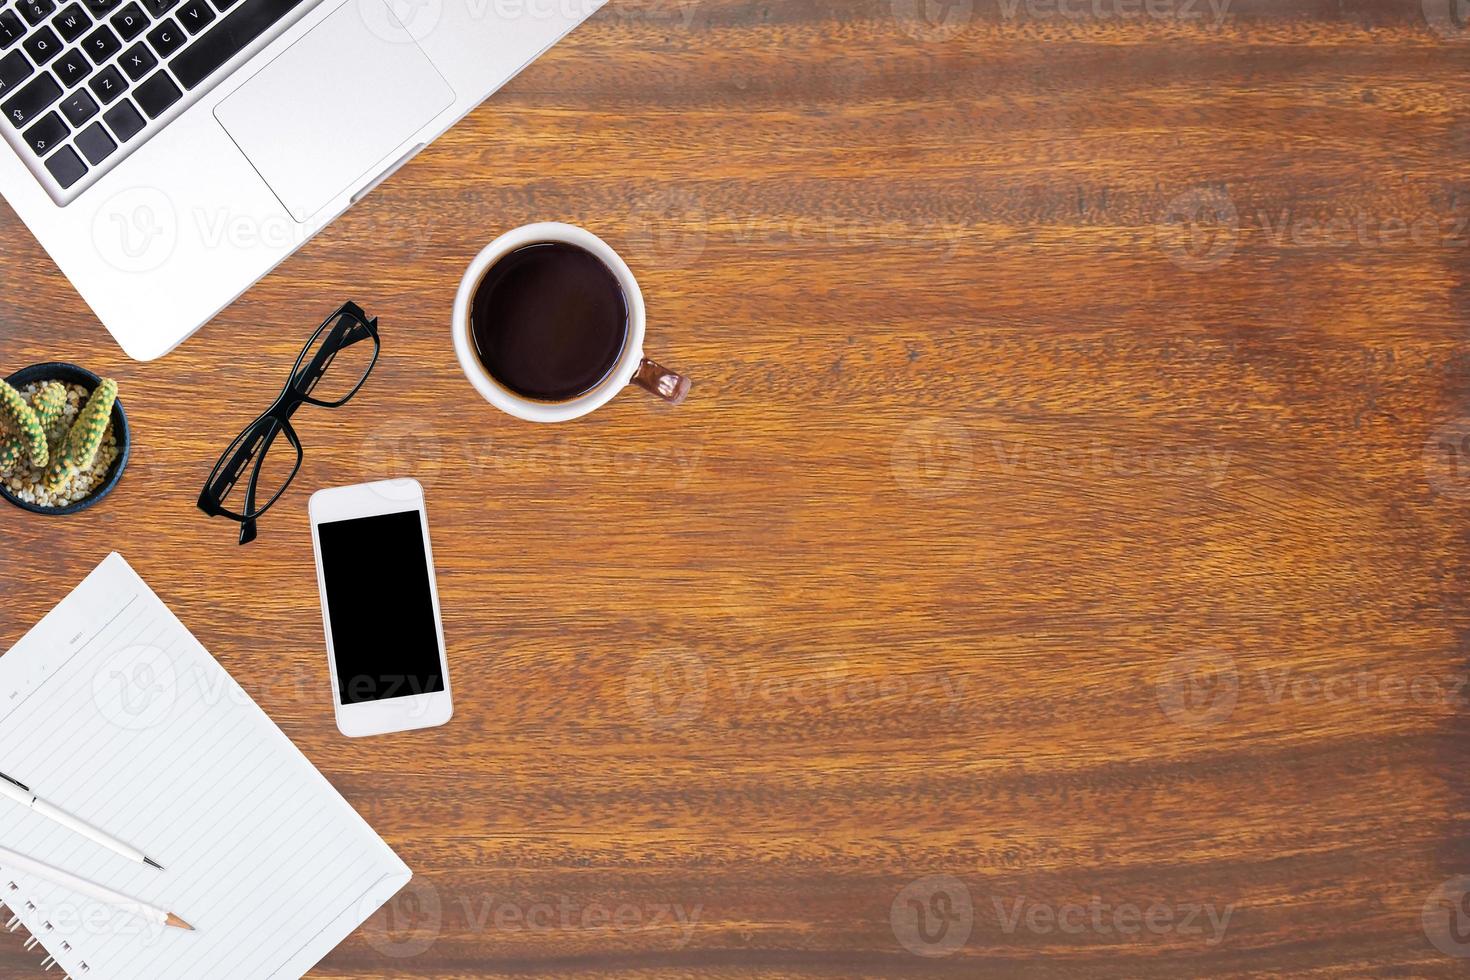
point(21, 793)
point(10, 859)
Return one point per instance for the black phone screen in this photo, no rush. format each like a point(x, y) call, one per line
point(385, 639)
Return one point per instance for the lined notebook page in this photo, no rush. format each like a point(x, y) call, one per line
point(111, 710)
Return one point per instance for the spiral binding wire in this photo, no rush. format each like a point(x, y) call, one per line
point(32, 941)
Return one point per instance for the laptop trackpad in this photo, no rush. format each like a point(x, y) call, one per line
point(327, 114)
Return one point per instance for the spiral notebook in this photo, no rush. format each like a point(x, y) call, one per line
point(110, 709)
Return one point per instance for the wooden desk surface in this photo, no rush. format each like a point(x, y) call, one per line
point(1090, 579)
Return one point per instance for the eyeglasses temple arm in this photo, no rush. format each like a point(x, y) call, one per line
point(358, 328)
point(247, 526)
point(229, 474)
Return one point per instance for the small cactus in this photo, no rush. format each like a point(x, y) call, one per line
point(80, 446)
point(28, 437)
point(12, 451)
point(47, 403)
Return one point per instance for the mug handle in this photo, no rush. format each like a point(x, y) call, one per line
point(672, 388)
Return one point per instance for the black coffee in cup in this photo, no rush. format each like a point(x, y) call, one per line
point(549, 321)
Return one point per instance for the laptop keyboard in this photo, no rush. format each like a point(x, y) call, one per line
point(83, 84)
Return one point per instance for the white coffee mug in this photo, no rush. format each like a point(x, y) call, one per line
point(631, 366)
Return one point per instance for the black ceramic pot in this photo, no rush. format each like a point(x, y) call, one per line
point(71, 374)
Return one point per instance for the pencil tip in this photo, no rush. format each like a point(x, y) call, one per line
point(178, 923)
point(153, 863)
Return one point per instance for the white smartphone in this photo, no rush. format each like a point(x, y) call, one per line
point(380, 608)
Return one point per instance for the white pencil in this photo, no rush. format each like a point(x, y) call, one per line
point(21, 793)
point(10, 859)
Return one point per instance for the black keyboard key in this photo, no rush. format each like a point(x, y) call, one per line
point(72, 68)
point(71, 22)
point(166, 38)
point(223, 5)
point(95, 144)
point(195, 15)
point(47, 134)
point(157, 94)
point(14, 69)
point(159, 7)
point(42, 45)
point(129, 21)
point(78, 107)
point(138, 61)
point(101, 8)
point(107, 84)
point(124, 121)
point(36, 11)
point(11, 28)
point(236, 30)
point(66, 166)
point(32, 100)
point(101, 44)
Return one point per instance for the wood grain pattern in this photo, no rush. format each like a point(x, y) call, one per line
point(1022, 544)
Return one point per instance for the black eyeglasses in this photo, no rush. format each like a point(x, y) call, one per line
point(337, 344)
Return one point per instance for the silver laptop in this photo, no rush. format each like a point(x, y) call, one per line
point(168, 153)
